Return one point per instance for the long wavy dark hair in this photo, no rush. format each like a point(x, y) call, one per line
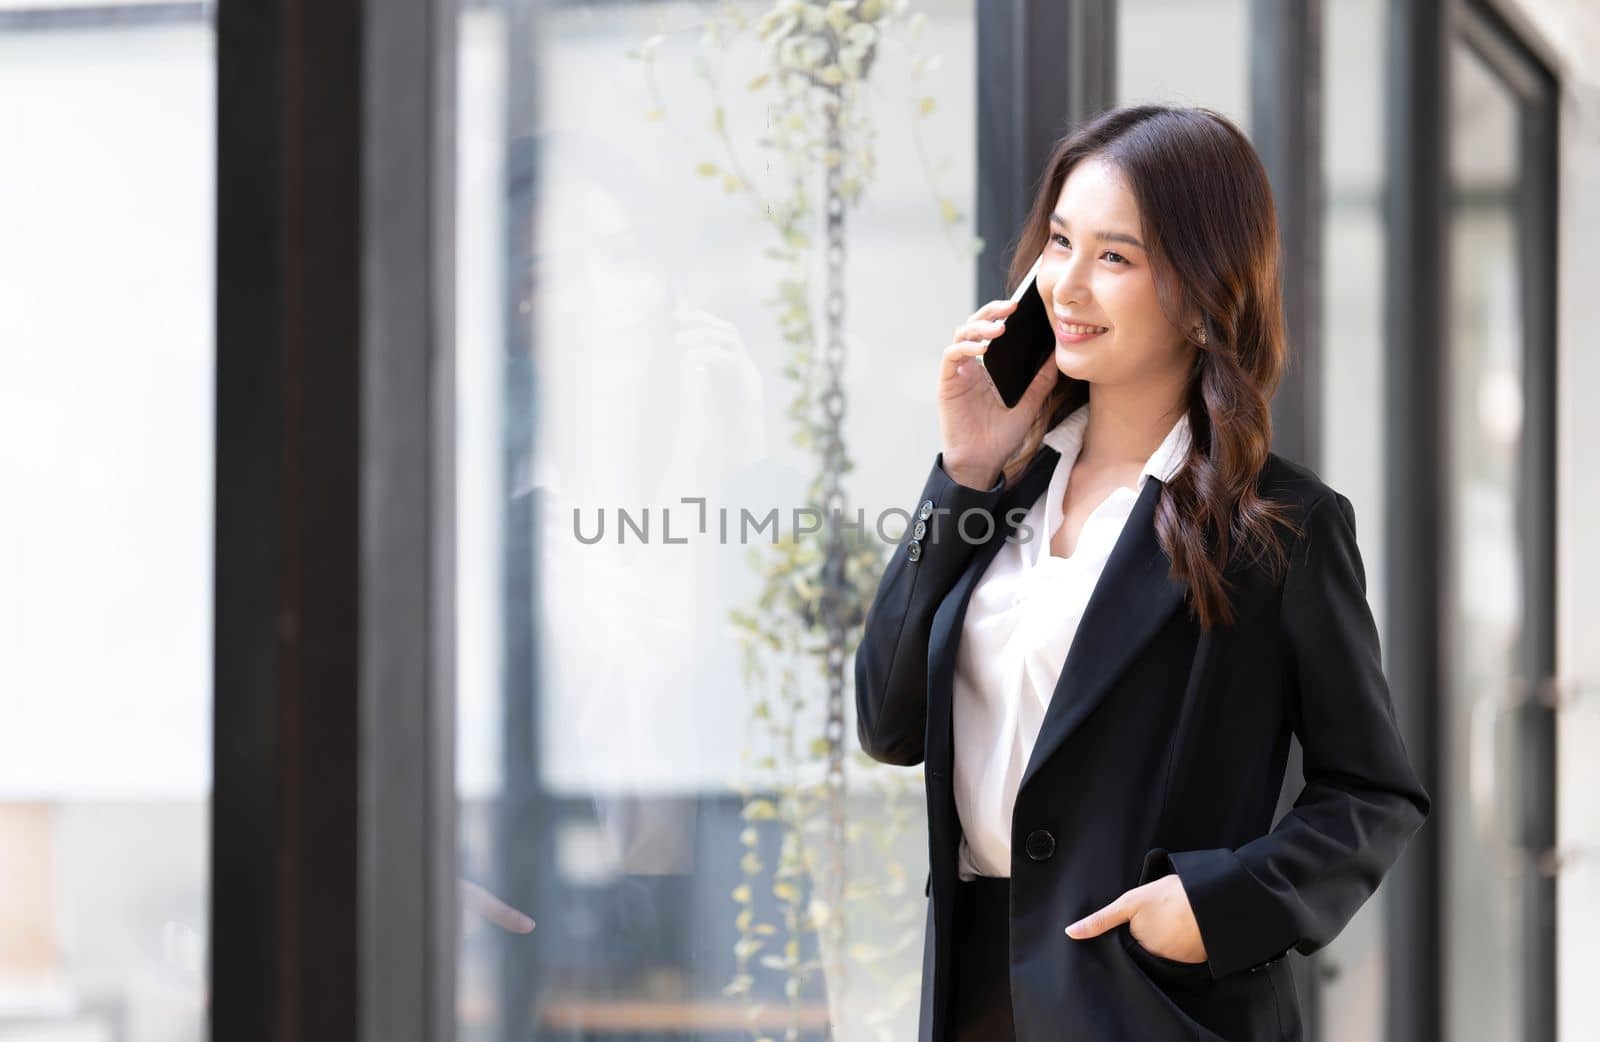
point(1211, 231)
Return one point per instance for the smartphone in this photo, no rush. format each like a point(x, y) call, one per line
point(1014, 357)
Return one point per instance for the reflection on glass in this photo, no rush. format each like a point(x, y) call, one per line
point(1485, 595)
point(106, 363)
point(1354, 433)
point(643, 321)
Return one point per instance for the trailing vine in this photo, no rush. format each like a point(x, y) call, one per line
point(797, 899)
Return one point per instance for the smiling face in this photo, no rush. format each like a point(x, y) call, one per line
point(1096, 272)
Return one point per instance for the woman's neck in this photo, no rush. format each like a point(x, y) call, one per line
point(1126, 429)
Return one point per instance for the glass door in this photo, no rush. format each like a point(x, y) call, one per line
point(1497, 897)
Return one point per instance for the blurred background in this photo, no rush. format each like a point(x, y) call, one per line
point(391, 399)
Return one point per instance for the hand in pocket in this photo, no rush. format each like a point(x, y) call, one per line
point(1159, 917)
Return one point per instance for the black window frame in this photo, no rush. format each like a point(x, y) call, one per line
point(333, 890)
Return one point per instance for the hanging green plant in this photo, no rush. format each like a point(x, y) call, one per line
point(797, 901)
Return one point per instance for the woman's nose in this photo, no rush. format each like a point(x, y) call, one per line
point(1070, 286)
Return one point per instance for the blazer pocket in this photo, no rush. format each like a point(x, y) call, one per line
point(1156, 864)
point(1170, 972)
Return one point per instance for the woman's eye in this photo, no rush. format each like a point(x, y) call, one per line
point(1058, 237)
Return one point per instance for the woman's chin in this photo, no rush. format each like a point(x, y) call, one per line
point(1071, 362)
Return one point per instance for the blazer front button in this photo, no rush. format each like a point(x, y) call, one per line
point(1040, 845)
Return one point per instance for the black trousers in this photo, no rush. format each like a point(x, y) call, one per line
point(980, 1003)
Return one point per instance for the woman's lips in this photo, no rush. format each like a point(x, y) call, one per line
point(1066, 336)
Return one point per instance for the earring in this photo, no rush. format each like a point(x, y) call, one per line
point(1200, 332)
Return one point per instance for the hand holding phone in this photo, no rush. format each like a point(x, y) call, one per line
point(985, 407)
point(1017, 351)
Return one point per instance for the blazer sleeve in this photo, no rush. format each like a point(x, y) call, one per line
point(891, 662)
point(1298, 885)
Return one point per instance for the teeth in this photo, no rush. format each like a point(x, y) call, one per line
point(1082, 329)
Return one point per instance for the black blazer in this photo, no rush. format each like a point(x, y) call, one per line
point(1162, 750)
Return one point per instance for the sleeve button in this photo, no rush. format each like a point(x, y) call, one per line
point(914, 550)
point(920, 531)
point(925, 511)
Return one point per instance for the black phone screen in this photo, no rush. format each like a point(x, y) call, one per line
point(1013, 358)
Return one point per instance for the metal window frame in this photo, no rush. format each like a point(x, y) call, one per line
point(1422, 33)
point(333, 893)
point(108, 15)
point(1497, 42)
point(1043, 65)
point(1286, 128)
point(1416, 282)
point(1483, 28)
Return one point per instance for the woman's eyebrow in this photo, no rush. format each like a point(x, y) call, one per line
point(1056, 218)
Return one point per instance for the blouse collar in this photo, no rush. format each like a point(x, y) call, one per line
point(1066, 438)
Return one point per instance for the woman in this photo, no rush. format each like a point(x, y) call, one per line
point(1103, 860)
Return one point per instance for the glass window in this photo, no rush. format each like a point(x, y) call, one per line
point(644, 324)
point(1354, 347)
point(1486, 581)
point(106, 212)
point(1185, 52)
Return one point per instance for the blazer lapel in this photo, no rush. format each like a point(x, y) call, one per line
point(946, 629)
point(1131, 600)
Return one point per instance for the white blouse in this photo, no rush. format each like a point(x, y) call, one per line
point(1014, 640)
